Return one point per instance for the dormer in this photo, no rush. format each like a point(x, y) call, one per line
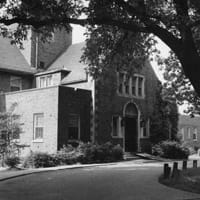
point(50, 78)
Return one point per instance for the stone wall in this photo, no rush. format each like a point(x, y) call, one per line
point(109, 103)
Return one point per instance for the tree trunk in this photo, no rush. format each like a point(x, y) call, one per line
point(190, 61)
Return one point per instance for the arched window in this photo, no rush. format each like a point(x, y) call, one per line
point(131, 110)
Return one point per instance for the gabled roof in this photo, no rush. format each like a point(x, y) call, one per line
point(70, 60)
point(187, 120)
point(12, 60)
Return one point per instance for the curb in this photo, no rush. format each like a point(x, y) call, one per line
point(43, 170)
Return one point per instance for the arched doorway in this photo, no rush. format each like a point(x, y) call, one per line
point(131, 128)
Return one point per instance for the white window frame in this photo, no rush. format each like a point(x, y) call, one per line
point(119, 130)
point(136, 95)
point(147, 125)
point(195, 132)
point(12, 78)
point(35, 126)
point(183, 133)
point(46, 83)
point(188, 133)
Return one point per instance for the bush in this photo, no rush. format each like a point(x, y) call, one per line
point(68, 155)
point(84, 153)
point(40, 160)
point(94, 153)
point(170, 149)
point(12, 161)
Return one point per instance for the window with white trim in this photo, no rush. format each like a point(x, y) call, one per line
point(116, 126)
point(131, 85)
point(188, 133)
point(45, 81)
point(182, 134)
point(144, 129)
point(195, 134)
point(15, 83)
point(38, 126)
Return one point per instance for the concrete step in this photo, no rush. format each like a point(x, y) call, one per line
point(130, 156)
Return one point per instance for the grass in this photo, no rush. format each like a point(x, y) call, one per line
point(189, 180)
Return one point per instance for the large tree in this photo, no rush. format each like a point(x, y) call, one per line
point(110, 22)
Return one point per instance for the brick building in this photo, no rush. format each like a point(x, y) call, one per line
point(189, 130)
point(64, 103)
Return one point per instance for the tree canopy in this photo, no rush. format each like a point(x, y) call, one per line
point(124, 28)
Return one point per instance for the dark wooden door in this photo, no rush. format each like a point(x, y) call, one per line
point(131, 135)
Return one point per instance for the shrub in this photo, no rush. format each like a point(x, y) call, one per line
point(68, 155)
point(84, 153)
point(171, 149)
point(94, 153)
point(12, 161)
point(39, 159)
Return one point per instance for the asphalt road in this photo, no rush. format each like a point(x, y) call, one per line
point(115, 182)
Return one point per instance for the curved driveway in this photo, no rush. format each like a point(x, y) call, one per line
point(124, 181)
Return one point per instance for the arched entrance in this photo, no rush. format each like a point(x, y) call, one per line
point(131, 128)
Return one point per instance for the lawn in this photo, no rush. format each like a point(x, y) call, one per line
point(189, 180)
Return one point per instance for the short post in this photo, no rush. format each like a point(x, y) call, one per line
point(167, 171)
point(184, 167)
point(175, 172)
point(194, 163)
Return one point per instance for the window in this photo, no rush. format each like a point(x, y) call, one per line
point(126, 84)
point(116, 126)
point(15, 83)
point(121, 80)
point(144, 128)
point(188, 133)
point(42, 64)
point(140, 86)
point(134, 82)
point(182, 134)
point(131, 86)
point(42, 82)
point(49, 80)
point(45, 81)
point(73, 127)
point(38, 126)
point(195, 134)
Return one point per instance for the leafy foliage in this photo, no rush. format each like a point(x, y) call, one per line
point(171, 149)
point(12, 161)
point(84, 153)
point(164, 121)
point(10, 130)
point(178, 86)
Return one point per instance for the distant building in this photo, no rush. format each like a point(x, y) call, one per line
point(189, 130)
point(61, 103)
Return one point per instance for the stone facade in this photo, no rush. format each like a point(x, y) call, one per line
point(109, 103)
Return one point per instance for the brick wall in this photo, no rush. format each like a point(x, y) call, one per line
point(186, 136)
point(48, 52)
point(78, 102)
point(32, 101)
